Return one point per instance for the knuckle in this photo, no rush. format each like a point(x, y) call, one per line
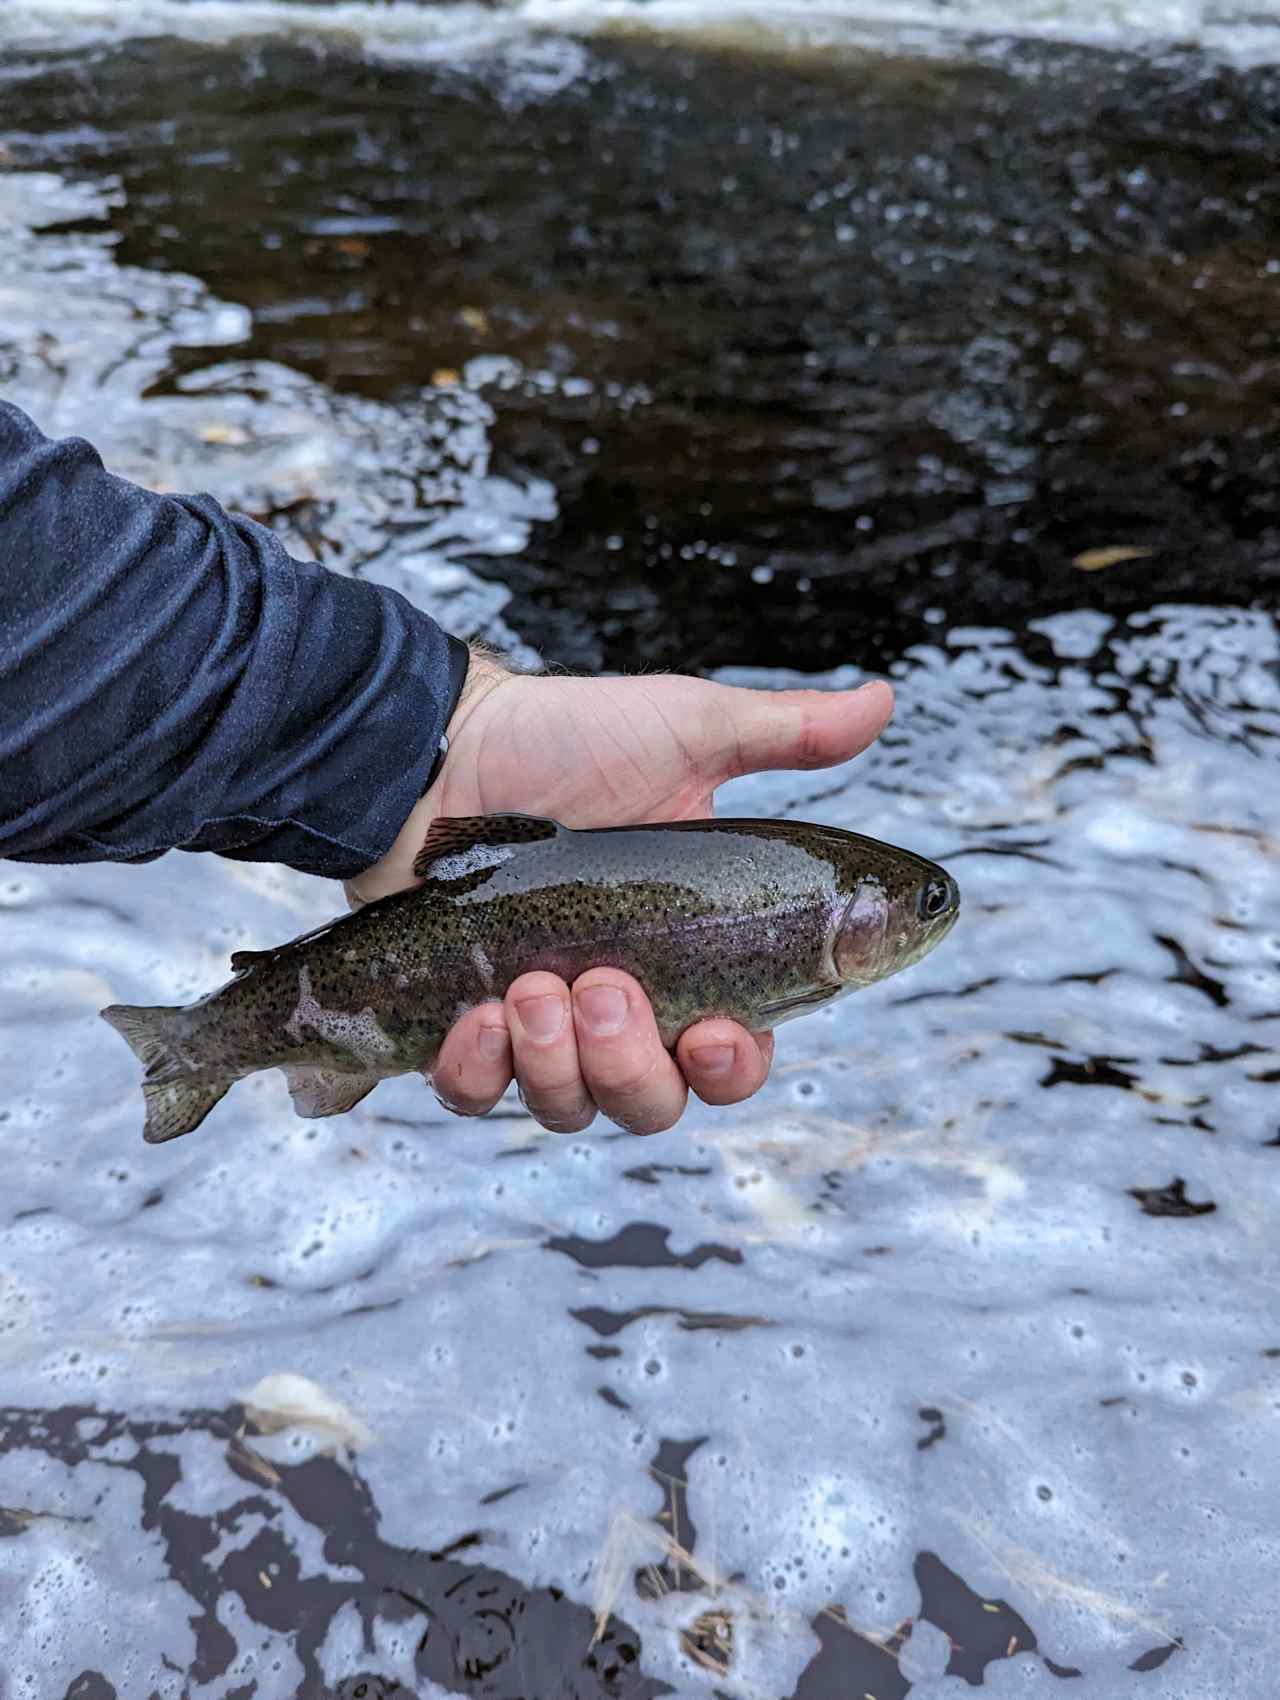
point(465, 1090)
point(559, 1114)
point(648, 1102)
point(568, 1123)
point(550, 1079)
point(660, 1119)
point(724, 1092)
point(537, 983)
point(808, 745)
point(462, 1103)
point(627, 1077)
point(460, 1107)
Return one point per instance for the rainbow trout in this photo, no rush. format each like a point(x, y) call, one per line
point(758, 920)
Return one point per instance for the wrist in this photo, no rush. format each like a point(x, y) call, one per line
point(485, 672)
point(393, 871)
point(473, 673)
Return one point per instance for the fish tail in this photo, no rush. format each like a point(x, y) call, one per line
point(177, 1097)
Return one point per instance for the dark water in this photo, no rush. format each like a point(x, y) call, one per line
point(933, 1367)
point(899, 338)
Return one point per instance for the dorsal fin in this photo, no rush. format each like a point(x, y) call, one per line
point(242, 959)
point(457, 845)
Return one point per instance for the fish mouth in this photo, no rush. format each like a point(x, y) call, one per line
point(944, 926)
point(940, 928)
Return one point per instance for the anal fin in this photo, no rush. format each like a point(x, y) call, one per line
point(324, 1092)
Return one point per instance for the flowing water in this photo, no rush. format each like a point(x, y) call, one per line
point(636, 335)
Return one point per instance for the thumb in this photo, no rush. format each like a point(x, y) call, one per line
point(801, 729)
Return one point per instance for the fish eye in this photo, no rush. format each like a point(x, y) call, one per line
point(935, 897)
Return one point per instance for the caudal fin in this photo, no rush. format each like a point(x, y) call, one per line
point(177, 1097)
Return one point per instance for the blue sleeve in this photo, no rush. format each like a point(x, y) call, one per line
point(171, 678)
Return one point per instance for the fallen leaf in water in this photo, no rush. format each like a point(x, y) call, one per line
point(355, 246)
point(292, 1401)
point(1094, 560)
point(444, 377)
point(239, 1449)
point(15, 1519)
point(475, 319)
point(708, 1641)
point(230, 436)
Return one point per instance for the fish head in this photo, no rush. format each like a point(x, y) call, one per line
point(890, 916)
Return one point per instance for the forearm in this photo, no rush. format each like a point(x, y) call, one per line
point(169, 677)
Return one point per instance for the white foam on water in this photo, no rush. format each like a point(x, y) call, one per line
point(535, 38)
point(920, 1225)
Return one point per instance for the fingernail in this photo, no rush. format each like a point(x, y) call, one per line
point(542, 1018)
point(603, 1010)
point(714, 1059)
point(493, 1042)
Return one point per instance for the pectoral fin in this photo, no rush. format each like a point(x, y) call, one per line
point(782, 1008)
point(325, 1092)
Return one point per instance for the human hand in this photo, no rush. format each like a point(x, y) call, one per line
point(609, 752)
